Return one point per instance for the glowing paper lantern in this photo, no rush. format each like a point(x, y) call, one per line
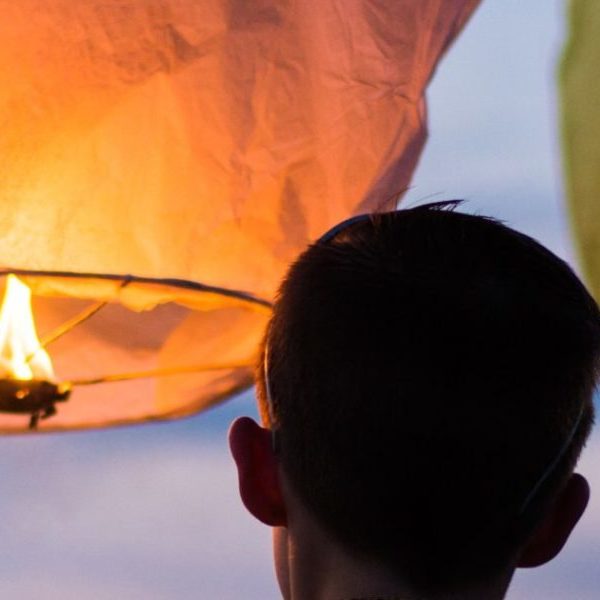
point(163, 161)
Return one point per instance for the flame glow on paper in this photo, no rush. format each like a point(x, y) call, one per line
point(21, 354)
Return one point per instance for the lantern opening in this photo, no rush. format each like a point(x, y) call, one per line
point(29, 386)
point(26, 373)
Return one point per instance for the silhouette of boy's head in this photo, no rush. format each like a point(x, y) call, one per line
point(430, 380)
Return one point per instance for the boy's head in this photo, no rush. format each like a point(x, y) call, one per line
point(429, 385)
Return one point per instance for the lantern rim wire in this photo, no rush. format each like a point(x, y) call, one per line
point(165, 372)
point(185, 284)
point(42, 395)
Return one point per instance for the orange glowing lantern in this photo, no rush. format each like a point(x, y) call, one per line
point(162, 164)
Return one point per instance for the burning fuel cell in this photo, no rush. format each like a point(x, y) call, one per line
point(27, 381)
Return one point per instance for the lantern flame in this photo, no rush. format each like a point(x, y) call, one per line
point(21, 354)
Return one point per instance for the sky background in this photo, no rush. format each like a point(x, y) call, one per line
point(152, 512)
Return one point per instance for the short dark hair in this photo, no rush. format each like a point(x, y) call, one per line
point(425, 367)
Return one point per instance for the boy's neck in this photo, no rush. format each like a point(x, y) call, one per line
point(312, 567)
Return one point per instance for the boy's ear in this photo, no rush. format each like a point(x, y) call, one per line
point(554, 531)
point(257, 466)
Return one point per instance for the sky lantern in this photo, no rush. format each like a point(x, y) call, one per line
point(580, 113)
point(162, 163)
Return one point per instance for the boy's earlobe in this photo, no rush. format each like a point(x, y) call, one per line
point(257, 466)
point(552, 534)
